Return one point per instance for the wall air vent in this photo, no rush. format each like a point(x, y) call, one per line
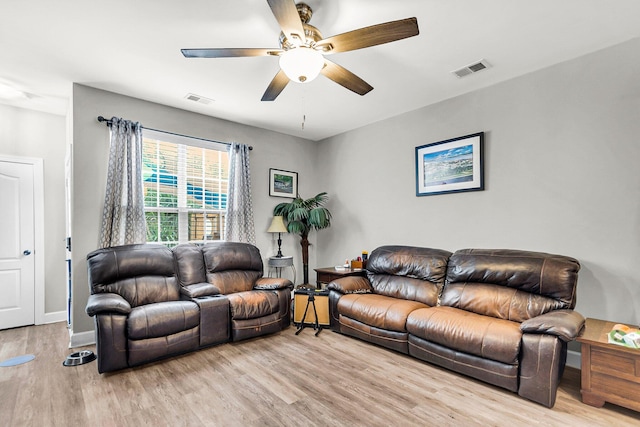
point(197, 98)
point(472, 68)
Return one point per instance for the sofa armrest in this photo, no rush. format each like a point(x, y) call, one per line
point(196, 290)
point(351, 285)
point(107, 303)
point(266, 283)
point(565, 324)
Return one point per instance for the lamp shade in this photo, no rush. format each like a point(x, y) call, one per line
point(277, 225)
point(301, 64)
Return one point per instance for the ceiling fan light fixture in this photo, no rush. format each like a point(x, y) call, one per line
point(301, 64)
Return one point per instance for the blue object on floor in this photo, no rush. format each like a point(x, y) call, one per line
point(18, 360)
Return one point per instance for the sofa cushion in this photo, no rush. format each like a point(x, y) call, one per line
point(538, 273)
point(162, 319)
point(109, 265)
point(223, 256)
point(471, 333)
point(143, 290)
point(497, 301)
point(141, 274)
point(378, 310)
point(408, 272)
point(253, 304)
point(232, 266)
point(228, 282)
point(189, 264)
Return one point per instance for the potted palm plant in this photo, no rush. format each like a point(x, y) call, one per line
point(303, 216)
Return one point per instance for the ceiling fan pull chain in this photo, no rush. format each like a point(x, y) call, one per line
point(304, 116)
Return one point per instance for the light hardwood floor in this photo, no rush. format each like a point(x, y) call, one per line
point(281, 379)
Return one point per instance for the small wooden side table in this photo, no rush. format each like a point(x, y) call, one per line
point(327, 274)
point(610, 372)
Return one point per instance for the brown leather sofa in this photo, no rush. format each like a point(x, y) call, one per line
point(151, 302)
point(501, 316)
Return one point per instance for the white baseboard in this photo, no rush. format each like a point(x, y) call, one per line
point(55, 317)
point(574, 359)
point(81, 339)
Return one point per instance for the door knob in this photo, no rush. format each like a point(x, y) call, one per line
point(27, 252)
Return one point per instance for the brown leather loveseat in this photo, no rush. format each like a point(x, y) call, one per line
point(151, 302)
point(501, 316)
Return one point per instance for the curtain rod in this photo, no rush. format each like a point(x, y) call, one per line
point(108, 123)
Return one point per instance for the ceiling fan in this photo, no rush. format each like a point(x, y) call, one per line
point(302, 48)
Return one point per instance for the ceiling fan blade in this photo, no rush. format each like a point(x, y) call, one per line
point(287, 16)
point(370, 36)
point(345, 78)
point(276, 86)
point(228, 53)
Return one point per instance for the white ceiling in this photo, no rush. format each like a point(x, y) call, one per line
point(133, 48)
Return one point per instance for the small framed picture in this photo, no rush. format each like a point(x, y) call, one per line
point(450, 166)
point(283, 183)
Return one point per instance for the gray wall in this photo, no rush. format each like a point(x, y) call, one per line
point(28, 133)
point(561, 174)
point(560, 154)
point(90, 154)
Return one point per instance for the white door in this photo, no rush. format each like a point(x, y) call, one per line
point(17, 238)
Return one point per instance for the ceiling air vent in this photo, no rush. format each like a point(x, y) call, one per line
point(472, 68)
point(197, 98)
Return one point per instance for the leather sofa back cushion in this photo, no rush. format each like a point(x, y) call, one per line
point(122, 262)
point(408, 272)
point(406, 288)
point(497, 301)
point(145, 290)
point(510, 284)
point(189, 264)
point(223, 256)
point(141, 274)
point(229, 282)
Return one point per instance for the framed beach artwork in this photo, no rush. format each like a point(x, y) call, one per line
point(283, 183)
point(450, 166)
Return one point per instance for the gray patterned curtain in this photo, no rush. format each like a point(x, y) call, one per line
point(123, 220)
point(239, 220)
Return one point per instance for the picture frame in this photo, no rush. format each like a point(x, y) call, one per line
point(283, 183)
point(451, 166)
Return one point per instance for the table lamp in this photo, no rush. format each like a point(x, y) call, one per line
point(277, 226)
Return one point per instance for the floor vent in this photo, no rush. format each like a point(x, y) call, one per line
point(472, 68)
point(197, 98)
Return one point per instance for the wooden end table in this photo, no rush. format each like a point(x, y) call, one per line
point(328, 274)
point(610, 372)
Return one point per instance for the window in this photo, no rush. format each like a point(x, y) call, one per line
point(185, 188)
